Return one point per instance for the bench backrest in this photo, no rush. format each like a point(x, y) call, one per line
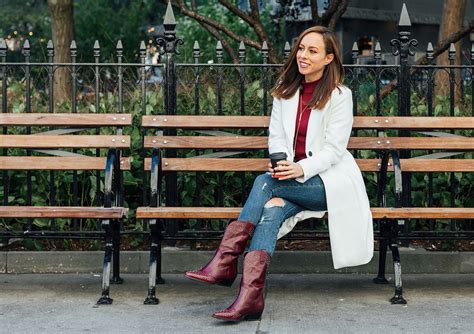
point(48, 140)
point(377, 141)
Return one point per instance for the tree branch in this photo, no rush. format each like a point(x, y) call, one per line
point(217, 35)
point(253, 20)
point(314, 11)
point(325, 18)
point(237, 11)
point(341, 9)
point(260, 31)
point(200, 18)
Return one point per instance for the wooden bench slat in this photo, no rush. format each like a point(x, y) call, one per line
point(261, 142)
point(256, 165)
point(58, 163)
point(360, 122)
point(412, 143)
point(230, 213)
point(65, 119)
point(64, 141)
point(62, 212)
point(205, 122)
point(201, 142)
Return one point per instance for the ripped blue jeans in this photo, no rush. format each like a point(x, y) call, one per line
point(268, 217)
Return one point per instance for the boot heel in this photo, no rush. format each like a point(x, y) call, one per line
point(227, 282)
point(253, 316)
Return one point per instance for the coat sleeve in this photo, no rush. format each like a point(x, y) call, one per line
point(276, 137)
point(336, 135)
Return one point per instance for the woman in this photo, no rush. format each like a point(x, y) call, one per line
point(311, 122)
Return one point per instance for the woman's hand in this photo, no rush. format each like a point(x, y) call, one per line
point(286, 170)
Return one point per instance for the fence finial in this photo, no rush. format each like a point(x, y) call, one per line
point(3, 45)
point(472, 51)
point(169, 22)
point(404, 18)
point(73, 50)
point(355, 51)
point(287, 49)
point(196, 51)
point(50, 48)
point(119, 46)
point(26, 48)
point(452, 52)
point(264, 51)
point(219, 51)
point(242, 51)
point(378, 51)
point(429, 52)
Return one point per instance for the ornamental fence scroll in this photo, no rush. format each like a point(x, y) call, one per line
point(220, 88)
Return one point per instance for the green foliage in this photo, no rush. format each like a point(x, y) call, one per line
point(190, 30)
point(110, 20)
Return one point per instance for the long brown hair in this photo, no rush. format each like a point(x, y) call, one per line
point(290, 78)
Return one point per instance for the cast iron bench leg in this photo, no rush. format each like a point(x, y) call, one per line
point(398, 298)
point(383, 243)
point(380, 279)
point(116, 279)
point(105, 298)
point(155, 251)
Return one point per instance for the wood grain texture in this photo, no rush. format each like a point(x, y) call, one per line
point(62, 212)
point(360, 122)
point(260, 165)
point(230, 213)
point(74, 120)
point(411, 122)
point(261, 142)
point(58, 163)
point(64, 141)
point(205, 122)
point(201, 142)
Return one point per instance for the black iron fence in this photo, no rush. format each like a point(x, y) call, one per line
point(218, 88)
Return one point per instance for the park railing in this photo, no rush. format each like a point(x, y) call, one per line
point(219, 88)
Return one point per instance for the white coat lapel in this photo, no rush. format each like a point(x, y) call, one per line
point(289, 111)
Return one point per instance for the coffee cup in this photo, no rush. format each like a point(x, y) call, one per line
point(275, 157)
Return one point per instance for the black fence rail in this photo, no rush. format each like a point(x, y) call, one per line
point(219, 88)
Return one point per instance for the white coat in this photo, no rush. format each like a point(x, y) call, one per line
point(329, 129)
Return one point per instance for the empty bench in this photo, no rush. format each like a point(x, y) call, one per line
point(381, 140)
point(61, 142)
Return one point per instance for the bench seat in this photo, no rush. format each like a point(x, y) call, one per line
point(232, 213)
point(63, 212)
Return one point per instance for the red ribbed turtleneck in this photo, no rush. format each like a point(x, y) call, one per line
point(302, 119)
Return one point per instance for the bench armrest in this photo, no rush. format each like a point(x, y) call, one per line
point(113, 174)
point(155, 178)
point(381, 191)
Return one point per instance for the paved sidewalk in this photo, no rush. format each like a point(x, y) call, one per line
point(296, 303)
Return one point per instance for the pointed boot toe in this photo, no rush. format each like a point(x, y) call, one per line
point(232, 315)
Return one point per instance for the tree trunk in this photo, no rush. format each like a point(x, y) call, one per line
point(62, 27)
point(451, 21)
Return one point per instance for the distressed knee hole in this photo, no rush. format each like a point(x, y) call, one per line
point(276, 201)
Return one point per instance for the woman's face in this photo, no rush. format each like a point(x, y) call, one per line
point(311, 56)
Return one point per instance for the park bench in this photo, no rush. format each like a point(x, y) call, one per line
point(373, 134)
point(60, 143)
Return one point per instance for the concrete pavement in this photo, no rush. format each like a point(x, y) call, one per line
point(296, 303)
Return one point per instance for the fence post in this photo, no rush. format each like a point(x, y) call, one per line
point(3, 78)
point(168, 44)
point(401, 47)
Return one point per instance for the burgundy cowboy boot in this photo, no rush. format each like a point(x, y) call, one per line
point(250, 302)
point(222, 269)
